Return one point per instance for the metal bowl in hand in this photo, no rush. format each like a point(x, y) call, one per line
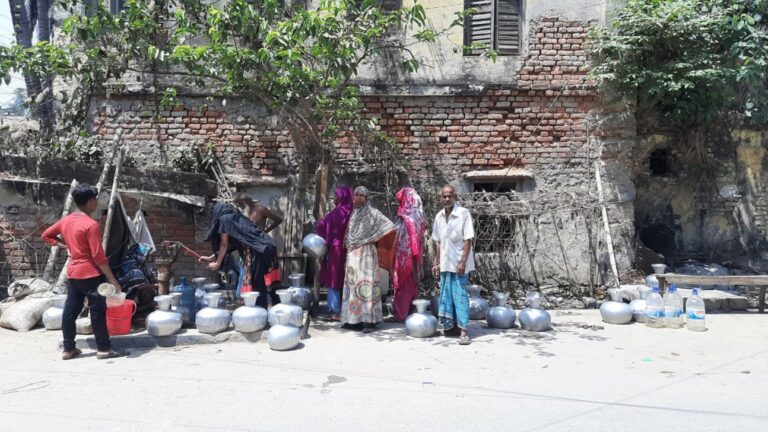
point(315, 245)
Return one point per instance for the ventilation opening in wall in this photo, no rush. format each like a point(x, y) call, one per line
point(495, 187)
point(660, 163)
point(442, 139)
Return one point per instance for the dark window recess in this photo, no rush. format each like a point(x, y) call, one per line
point(496, 24)
point(442, 139)
point(116, 6)
point(660, 162)
point(494, 233)
point(496, 187)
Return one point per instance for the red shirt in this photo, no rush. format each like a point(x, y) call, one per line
point(83, 238)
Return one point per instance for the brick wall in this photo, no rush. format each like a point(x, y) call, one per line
point(536, 119)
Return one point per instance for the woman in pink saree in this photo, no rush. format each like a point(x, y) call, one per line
point(409, 256)
point(332, 228)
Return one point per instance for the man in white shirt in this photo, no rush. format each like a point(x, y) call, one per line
point(453, 233)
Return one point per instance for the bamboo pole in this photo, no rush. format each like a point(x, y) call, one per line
point(51, 262)
point(606, 225)
point(112, 199)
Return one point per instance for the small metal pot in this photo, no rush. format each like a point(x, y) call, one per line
point(249, 318)
point(212, 319)
point(421, 324)
point(302, 297)
point(294, 315)
point(283, 337)
point(163, 322)
point(315, 245)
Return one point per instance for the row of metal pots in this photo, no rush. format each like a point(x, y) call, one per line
point(500, 316)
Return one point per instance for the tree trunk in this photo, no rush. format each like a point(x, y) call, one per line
point(46, 111)
point(23, 30)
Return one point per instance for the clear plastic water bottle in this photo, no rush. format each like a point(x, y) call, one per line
point(695, 311)
point(654, 310)
point(673, 307)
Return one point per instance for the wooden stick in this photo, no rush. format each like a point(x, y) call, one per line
point(51, 262)
point(606, 225)
point(112, 199)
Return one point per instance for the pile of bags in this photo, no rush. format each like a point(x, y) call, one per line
point(26, 302)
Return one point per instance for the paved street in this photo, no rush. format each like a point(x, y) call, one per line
point(584, 375)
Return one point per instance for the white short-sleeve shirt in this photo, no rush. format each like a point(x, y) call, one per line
point(451, 234)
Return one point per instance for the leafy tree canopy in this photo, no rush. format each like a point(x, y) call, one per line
point(690, 61)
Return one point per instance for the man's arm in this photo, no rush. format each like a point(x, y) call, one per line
point(51, 235)
point(462, 267)
point(436, 260)
point(276, 220)
point(221, 254)
point(468, 232)
point(99, 257)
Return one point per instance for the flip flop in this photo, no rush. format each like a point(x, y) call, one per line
point(111, 354)
point(464, 340)
point(69, 355)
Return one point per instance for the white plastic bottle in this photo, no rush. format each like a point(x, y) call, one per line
point(654, 310)
point(673, 308)
point(695, 311)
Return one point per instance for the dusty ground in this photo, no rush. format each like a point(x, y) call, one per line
point(583, 375)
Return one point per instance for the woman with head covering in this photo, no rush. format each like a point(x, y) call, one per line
point(332, 228)
point(230, 231)
point(411, 225)
point(370, 244)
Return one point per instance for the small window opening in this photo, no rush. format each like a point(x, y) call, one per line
point(495, 187)
point(443, 139)
point(660, 163)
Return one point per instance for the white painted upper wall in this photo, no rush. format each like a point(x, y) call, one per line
point(445, 66)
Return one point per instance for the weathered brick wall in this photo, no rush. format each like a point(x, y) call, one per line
point(538, 118)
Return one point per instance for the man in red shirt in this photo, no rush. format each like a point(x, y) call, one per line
point(88, 268)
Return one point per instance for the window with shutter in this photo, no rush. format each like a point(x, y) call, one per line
point(495, 24)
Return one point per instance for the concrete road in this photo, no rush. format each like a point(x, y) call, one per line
point(582, 376)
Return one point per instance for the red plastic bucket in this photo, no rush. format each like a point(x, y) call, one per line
point(119, 318)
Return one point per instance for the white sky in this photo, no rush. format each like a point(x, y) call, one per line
point(6, 38)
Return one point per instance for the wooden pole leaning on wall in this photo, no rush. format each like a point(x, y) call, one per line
point(606, 225)
point(112, 199)
point(99, 185)
point(51, 262)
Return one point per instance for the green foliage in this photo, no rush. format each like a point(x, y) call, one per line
point(198, 160)
point(82, 148)
point(692, 61)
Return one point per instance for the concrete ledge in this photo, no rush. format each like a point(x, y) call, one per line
point(714, 300)
point(186, 337)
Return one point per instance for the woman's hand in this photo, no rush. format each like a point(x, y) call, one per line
point(436, 270)
point(207, 259)
point(214, 266)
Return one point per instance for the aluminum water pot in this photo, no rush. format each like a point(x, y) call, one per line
point(212, 320)
point(283, 336)
point(52, 315)
point(294, 315)
point(210, 288)
point(163, 322)
point(315, 245)
point(302, 297)
point(421, 324)
point(478, 306)
point(500, 316)
point(297, 280)
point(249, 318)
point(535, 319)
point(83, 326)
point(615, 311)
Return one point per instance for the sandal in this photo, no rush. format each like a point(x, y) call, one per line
point(464, 340)
point(69, 355)
point(111, 354)
point(368, 329)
